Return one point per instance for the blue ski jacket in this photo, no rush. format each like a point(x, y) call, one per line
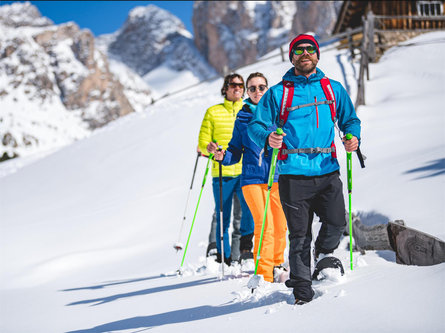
point(255, 165)
point(308, 127)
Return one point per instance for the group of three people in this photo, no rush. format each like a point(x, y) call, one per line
point(307, 180)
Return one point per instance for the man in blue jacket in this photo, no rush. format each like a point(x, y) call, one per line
point(309, 179)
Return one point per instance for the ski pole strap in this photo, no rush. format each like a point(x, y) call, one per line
point(293, 108)
point(308, 150)
point(361, 158)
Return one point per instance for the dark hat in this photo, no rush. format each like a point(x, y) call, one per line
point(301, 39)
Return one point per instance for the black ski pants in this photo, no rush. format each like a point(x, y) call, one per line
point(301, 197)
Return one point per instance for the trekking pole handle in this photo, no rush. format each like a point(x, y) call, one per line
point(273, 163)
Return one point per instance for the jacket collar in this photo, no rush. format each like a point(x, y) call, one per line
point(232, 106)
point(290, 76)
point(249, 103)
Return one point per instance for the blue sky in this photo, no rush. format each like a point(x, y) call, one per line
point(106, 16)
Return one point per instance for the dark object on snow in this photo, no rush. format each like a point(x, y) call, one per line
point(414, 247)
point(373, 237)
point(327, 262)
point(227, 261)
point(245, 255)
point(211, 249)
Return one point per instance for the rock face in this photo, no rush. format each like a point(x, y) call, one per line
point(55, 85)
point(231, 34)
point(152, 37)
point(316, 16)
point(89, 85)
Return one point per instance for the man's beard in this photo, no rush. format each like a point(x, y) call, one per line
point(306, 69)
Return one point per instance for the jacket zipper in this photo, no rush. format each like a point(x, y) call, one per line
point(316, 108)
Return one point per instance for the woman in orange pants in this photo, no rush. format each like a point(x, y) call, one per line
point(274, 236)
point(254, 179)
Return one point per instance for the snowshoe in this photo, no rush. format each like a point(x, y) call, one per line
point(300, 302)
point(328, 262)
point(246, 261)
point(280, 274)
point(211, 249)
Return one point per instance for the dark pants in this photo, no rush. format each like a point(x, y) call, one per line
point(301, 197)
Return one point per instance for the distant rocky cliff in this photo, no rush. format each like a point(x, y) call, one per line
point(55, 85)
point(235, 33)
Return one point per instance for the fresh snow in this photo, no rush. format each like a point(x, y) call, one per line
point(87, 232)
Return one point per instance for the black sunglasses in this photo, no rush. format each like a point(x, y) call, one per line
point(234, 85)
point(261, 88)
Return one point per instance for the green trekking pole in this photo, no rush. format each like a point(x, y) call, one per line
point(349, 167)
point(254, 281)
point(196, 210)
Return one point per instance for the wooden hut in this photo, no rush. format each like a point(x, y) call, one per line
point(392, 15)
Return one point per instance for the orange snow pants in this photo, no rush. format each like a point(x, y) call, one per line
point(274, 236)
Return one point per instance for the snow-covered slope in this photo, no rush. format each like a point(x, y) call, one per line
point(87, 232)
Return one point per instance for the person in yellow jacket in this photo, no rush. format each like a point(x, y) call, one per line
point(217, 125)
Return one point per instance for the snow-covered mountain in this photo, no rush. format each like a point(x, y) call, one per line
point(59, 82)
point(231, 34)
point(55, 86)
point(153, 40)
point(86, 233)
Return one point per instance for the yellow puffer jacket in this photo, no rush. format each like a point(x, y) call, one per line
point(218, 124)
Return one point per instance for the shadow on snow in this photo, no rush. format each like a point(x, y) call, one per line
point(432, 169)
point(189, 315)
point(102, 300)
point(114, 283)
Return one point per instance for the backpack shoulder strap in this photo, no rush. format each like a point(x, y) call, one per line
point(329, 93)
point(286, 102)
point(330, 96)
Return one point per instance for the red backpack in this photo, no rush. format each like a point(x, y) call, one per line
point(286, 107)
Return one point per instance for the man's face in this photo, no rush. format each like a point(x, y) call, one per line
point(305, 63)
point(235, 89)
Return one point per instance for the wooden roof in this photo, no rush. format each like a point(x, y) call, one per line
point(350, 15)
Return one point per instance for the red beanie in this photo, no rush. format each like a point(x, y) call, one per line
point(301, 39)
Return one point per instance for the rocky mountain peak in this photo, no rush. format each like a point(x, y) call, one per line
point(22, 14)
point(152, 37)
point(152, 18)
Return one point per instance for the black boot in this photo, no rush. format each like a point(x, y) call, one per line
point(227, 261)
